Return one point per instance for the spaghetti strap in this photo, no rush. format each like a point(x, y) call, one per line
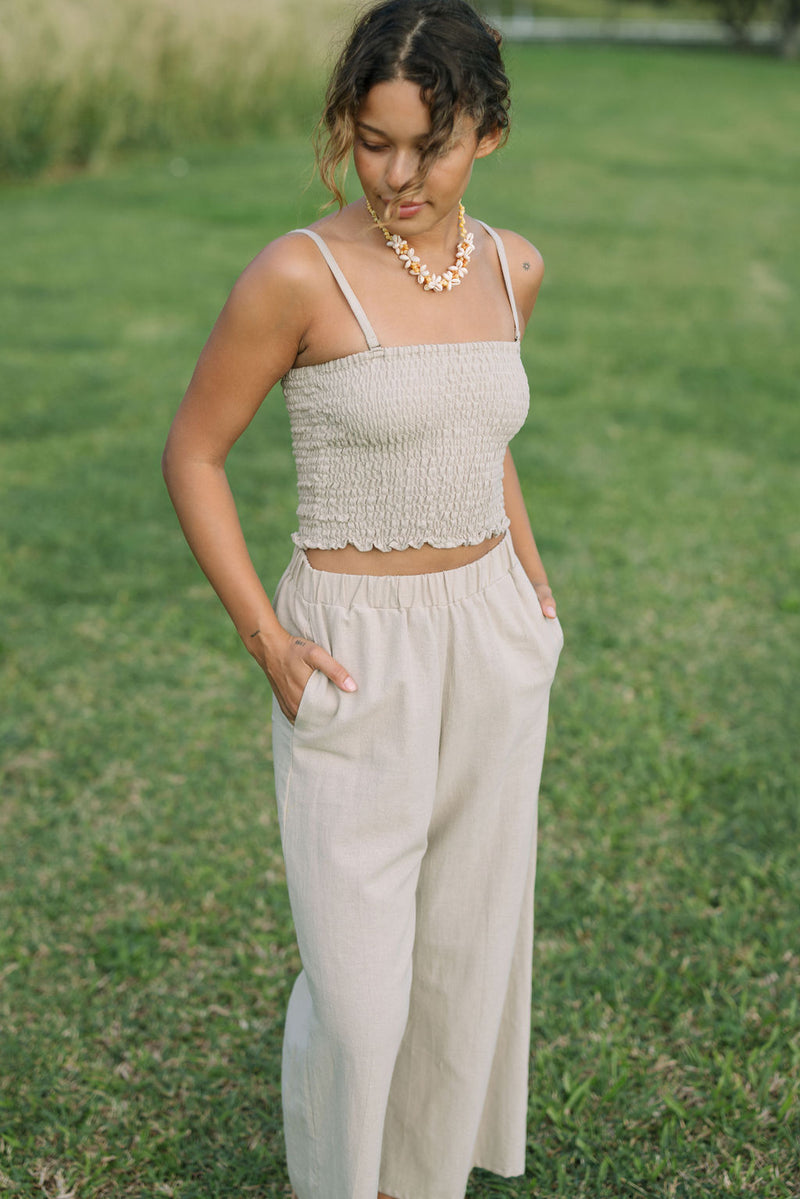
point(501, 254)
point(346, 289)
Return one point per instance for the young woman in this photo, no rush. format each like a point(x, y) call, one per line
point(413, 638)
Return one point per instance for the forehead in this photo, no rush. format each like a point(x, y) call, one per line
point(395, 106)
point(397, 110)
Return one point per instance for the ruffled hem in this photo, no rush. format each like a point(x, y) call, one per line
point(363, 545)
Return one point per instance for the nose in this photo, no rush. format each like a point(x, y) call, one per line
point(400, 169)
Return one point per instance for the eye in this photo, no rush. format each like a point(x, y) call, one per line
point(372, 147)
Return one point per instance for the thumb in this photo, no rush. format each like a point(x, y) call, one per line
point(545, 598)
point(321, 660)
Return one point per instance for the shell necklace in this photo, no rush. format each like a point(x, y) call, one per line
point(410, 260)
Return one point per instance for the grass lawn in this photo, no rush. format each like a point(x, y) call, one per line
point(146, 948)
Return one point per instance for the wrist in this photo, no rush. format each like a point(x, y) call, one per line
point(260, 637)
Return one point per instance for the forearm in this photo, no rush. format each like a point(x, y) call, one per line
point(207, 513)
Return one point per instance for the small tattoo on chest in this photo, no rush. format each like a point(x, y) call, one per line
point(526, 266)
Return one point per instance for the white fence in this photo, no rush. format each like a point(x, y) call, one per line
point(525, 27)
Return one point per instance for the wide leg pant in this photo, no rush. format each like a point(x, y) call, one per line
point(408, 822)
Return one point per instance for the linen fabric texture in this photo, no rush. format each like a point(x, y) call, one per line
point(408, 821)
point(400, 446)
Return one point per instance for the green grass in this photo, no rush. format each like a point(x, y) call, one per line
point(146, 949)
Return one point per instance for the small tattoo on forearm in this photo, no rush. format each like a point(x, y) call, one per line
point(299, 642)
point(526, 266)
point(256, 633)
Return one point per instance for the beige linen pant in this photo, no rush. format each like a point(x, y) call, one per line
point(408, 820)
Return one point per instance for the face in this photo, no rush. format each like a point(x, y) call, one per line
point(391, 126)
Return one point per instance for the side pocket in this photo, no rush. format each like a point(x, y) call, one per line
point(548, 631)
point(305, 707)
point(282, 735)
point(292, 743)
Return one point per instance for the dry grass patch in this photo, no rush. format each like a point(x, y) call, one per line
point(80, 79)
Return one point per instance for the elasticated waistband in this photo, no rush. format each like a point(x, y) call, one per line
point(401, 591)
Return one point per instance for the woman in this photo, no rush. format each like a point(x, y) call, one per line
point(413, 638)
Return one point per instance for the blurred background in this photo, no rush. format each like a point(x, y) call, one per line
point(80, 79)
point(147, 152)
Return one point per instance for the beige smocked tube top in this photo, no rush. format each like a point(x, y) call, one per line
point(401, 446)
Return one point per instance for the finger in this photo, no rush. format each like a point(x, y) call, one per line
point(546, 601)
point(320, 659)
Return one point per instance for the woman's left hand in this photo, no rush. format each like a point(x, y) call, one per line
point(545, 597)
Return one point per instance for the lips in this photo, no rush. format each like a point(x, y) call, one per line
point(406, 210)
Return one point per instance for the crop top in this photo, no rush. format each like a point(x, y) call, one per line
point(401, 446)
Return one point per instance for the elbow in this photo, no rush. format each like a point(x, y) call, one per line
point(171, 459)
point(173, 454)
point(166, 462)
point(182, 460)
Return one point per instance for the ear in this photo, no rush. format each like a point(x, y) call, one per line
point(488, 143)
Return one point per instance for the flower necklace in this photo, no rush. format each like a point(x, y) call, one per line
point(410, 259)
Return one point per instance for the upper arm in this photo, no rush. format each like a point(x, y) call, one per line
point(526, 268)
point(255, 340)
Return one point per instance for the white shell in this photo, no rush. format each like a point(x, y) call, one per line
point(408, 257)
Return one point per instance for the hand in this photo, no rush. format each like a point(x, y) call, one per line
point(545, 597)
point(289, 663)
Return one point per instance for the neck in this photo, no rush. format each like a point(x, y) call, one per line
point(441, 239)
point(423, 272)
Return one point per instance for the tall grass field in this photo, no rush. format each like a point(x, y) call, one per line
point(146, 945)
point(81, 80)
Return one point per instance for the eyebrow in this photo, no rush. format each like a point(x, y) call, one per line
point(382, 133)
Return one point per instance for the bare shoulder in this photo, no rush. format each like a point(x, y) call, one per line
point(521, 252)
point(265, 318)
point(295, 260)
point(283, 273)
point(526, 267)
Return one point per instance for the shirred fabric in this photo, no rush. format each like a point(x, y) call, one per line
point(403, 446)
point(408, 822)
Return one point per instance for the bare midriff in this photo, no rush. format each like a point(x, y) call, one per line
point(425, 560)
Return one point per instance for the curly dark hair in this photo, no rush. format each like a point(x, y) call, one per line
point(445, 47)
